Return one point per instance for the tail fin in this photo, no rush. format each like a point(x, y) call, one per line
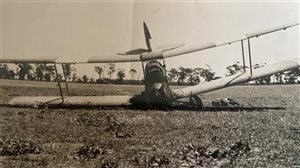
point(141, 50)
point(147, 37)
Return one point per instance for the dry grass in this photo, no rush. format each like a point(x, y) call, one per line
point(133, 138)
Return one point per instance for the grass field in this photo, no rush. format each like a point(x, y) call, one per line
point(133, 138)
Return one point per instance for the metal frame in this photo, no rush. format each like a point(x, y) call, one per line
point(59, 82)
point(250, 58)
point(143, 66)
point(243, 55)
point(66, 80)
point(59, 85)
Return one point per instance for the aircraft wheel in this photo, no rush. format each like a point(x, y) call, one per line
point(195, 101)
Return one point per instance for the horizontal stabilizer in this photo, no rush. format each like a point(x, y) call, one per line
point(71, 101)
point(236, 79)
point(159, 49)
point(134, 52)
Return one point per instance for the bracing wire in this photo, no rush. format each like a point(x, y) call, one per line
point(117, 88)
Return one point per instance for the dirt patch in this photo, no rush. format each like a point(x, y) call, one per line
point(90, 151)
point(152, 161)
point(193, 156)
point(119, 129)
point(12, 147)
point(88, 120)
point(108, 164)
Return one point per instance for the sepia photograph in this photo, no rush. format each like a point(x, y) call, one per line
point(149, 84)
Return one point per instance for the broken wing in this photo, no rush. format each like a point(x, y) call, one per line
point(236, 79)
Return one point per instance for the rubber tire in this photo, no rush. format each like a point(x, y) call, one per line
point(196, 101)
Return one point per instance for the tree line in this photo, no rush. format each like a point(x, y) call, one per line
point(46, 72)
point(176, 76)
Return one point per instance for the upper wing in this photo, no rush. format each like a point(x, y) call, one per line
point(236, 79)
point(145, 56)
point(260, 33)
point(141, 54)
point(28, 60)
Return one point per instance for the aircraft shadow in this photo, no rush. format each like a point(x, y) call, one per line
point(175, 108)
point(230, 109)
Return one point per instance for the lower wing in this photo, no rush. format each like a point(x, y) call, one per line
point(236, 79)
point(72, 101)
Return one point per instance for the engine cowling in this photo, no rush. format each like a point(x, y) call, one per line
point(151, 56)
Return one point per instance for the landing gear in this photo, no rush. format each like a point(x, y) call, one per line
point(196, 102)
point(154, 99)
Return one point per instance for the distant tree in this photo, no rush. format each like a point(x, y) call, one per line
point(279, 77)
point(31, 76)
point(196, 80)
point(40, 71)
point(190, 75)
point(173, 74)
point(208, 74)
point(68, 70)
point(25, 68)
point(85, 79)
point(11, 74)
point(79, 80)
point(111, 69)
point(74, 77)
point(3, 71)
point(121, 75)
point(292, 75)
point(233, 69)
point(99, 71)
point(181, 75)
point(187, 74)
point(132, 73)
point(104, 67)
point(92, 80)
point(49, 72)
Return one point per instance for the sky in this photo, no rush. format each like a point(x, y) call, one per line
point(96, 28)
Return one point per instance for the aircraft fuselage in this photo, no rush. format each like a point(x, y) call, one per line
point(157, 91)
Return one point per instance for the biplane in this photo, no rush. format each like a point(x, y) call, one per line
point(157, 92)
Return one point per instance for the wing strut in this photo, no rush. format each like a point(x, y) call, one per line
point(66, 79)
point(59, 85)
point(243, 55)
point(143, 66)
point(250, 59)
